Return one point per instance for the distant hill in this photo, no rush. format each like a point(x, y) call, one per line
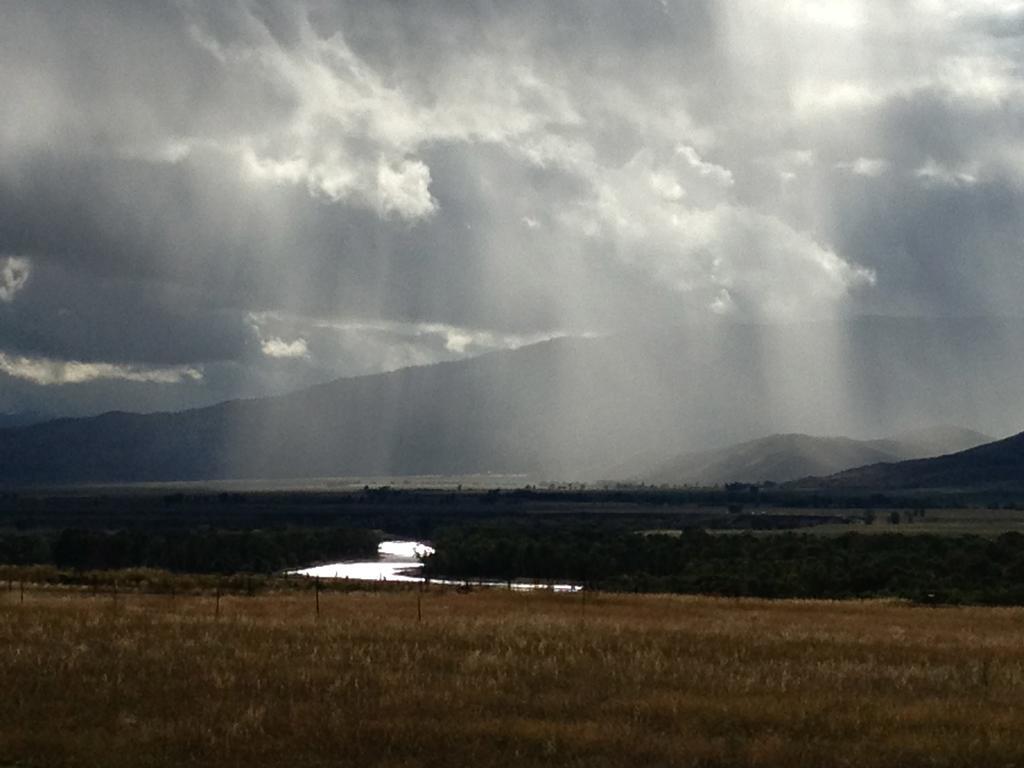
point(565, 408)
point(22, 419)
point(934, 441)
point(999, 464)
point(780, 458)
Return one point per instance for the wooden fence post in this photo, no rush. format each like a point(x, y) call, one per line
point(316, 589)
point(216, 605)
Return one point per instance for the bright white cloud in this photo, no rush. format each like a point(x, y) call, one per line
point(354, 137)
point(728, 257)
point(843, 15)
point(272, 344)
point(667, 186)
point(933, 173)
point(405, 189)
point(275, 347)
point(398, 343)
point(456, 338)
point(14, 274)
point(817, 95)
point(716, 173)
point(871, 167)
point(986, 77)
point(47, 371)
point(457, 342)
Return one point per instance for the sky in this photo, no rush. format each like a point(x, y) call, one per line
point(202, 201)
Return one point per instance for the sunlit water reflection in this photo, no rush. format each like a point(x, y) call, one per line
point(398, 561)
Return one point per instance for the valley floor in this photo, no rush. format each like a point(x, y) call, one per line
point(494, 678)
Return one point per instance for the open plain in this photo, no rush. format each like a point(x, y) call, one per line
point(489, 678)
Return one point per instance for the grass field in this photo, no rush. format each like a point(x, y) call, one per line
point(496, 678)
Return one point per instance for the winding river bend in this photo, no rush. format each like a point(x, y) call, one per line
point(399, 561)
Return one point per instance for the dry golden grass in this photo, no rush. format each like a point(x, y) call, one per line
point(496, 678)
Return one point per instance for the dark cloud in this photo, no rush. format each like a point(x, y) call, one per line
point(270, 194)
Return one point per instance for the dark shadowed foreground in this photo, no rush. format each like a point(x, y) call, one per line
point(496, 678)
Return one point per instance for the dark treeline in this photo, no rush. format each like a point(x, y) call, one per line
point(921, 567)
point(415, 514)
point(192, 551)
point(374, 507)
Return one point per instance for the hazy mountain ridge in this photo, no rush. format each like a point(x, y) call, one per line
point(22, 419)
point(998, 464)
point(559, 408)
point(781, 458)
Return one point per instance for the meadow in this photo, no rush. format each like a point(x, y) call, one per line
point(497, 678)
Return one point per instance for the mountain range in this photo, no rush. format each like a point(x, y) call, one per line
point(569, 408)
point(22, 419)
point(995, 465)
point(781, 458)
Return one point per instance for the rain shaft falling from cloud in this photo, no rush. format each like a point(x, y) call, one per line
point(281, 194)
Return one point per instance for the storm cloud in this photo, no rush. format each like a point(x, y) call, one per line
point(201, 201)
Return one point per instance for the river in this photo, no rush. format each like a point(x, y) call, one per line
point(398, 561)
